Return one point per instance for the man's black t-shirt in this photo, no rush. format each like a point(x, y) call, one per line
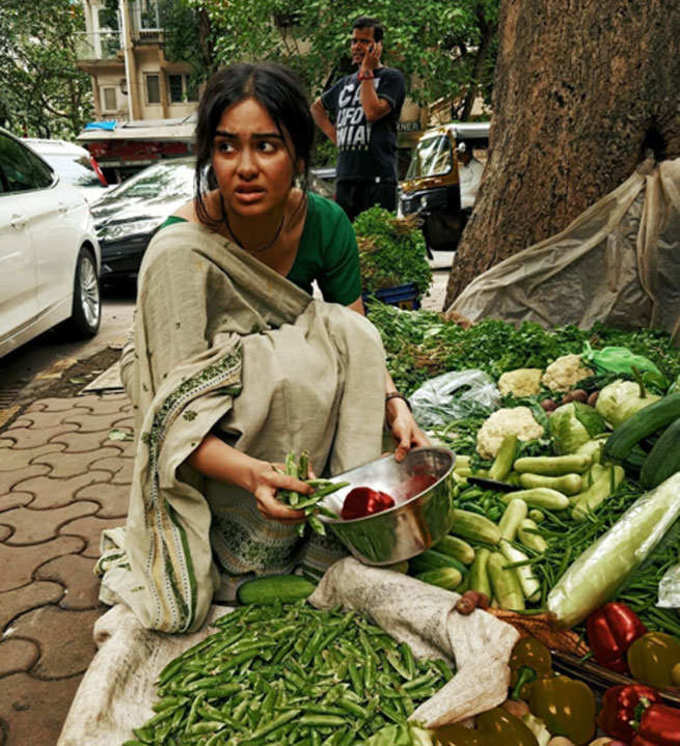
point(366, 150)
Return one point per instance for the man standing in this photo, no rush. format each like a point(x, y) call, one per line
point(469, 174)
point(366, 107)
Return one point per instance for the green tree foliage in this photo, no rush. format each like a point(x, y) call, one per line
point(43, 93)
point(446, 48)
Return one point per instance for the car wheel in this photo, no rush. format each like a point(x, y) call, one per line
point(87, 309)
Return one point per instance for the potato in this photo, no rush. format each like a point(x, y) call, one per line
point(560, 741)
point(516, 707)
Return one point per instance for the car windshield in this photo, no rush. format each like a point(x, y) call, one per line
point(432, 157)
point(159, 181)
point(73, 169)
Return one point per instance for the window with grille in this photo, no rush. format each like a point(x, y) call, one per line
point(176, 89)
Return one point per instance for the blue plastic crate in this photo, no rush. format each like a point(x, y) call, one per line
point(402, 296)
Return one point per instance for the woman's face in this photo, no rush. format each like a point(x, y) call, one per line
point(252, 161)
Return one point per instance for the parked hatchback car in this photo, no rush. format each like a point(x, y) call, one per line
point(49, 253)
point(74, 164)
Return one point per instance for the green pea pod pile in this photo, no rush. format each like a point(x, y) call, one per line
point(299, 468)
point(288, 674)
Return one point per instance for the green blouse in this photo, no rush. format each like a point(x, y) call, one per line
point(327, 252)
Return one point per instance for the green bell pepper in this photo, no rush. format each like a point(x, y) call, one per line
point(567, 707)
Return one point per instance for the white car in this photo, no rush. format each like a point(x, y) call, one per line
point(74, 165)
point(49, 254)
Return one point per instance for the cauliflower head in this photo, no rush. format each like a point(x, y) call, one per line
point(563, 373)
point(517, 421)
point(521, 382)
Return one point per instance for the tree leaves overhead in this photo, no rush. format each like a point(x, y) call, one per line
point(43, 92)
point(446, 48)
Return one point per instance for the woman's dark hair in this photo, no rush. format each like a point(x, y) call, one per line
point(277, 89)
point(368, 22)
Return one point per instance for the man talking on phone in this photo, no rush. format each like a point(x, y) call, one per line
point(360, 114)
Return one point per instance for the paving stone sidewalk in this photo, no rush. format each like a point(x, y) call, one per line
point(63, 478)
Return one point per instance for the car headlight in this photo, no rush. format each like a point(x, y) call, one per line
point(122, 230)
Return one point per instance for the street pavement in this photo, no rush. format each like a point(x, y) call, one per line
point(65, 470)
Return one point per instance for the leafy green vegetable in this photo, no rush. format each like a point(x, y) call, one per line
point(574, 424)
point(391, 252)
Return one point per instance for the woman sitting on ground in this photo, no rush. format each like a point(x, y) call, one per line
point(232, 363)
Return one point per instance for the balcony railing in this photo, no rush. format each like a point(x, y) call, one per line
point(147, 35)
point(100, 45)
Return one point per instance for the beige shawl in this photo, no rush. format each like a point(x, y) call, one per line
point(221, 339)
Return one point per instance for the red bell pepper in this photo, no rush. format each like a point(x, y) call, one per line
point(659, 726)
point(620, 709)
point(611, 630)
point(363, 501)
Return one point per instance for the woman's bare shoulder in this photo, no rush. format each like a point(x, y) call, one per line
point(187, 211)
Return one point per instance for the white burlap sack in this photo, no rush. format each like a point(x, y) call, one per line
point(118, 690)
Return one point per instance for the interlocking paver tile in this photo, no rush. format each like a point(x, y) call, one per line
point(18, 563)
point(5, 531)
point(11, 500)
point(53, 493)
point(92, 423)
point(17, 458)
point(35, 526)
point(71, 464)
point(42, 419)
point(63, 636)
point(74, 572)
point(27, 597)
point(17, 655)
point(30, 437)
point(90, 529)
point(101, 404)
point(121, 467)
point(6, 443)
point(36, 709)
point(112, 498)
point(127, 422)
point(22, 421)
point(52, 404)
point(82, 442)
point(10, 480)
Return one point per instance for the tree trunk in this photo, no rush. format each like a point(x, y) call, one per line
point(581, 90)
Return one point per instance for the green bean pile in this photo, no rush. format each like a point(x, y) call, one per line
point(288, 674)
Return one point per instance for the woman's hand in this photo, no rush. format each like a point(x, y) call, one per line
point(266, 480)
point(405, 430)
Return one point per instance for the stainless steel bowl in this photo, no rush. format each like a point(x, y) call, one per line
point(412, 525)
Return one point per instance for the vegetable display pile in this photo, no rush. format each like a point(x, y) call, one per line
point(289, 674)
point(588, 440)
point(391, 252)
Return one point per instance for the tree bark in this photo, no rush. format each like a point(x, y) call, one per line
point(581, 90)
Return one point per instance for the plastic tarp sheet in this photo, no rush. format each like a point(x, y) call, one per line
point(617, 263)
point(117, 691)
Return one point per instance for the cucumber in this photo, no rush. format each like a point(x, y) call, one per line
point(643, 423)
point(461, 462)
point(505, 583)
point(527, 533)
point(274, 588)
point(474, 527)
point(603, 486)
point(430, 559)
point(478, 577)
point(444, 577)
point(502, 464)
point(569, 484)
point(664, 458)
point(456, 548)
point(531, 588)
point(554, 466)
point(539, 497)
point(515, 512)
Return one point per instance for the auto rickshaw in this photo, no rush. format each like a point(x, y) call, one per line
point(432, 186)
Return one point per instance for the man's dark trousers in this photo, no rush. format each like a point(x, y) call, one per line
point(356, 196)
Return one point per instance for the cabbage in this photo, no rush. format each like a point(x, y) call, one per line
point(620, 400)
point(574, 424)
